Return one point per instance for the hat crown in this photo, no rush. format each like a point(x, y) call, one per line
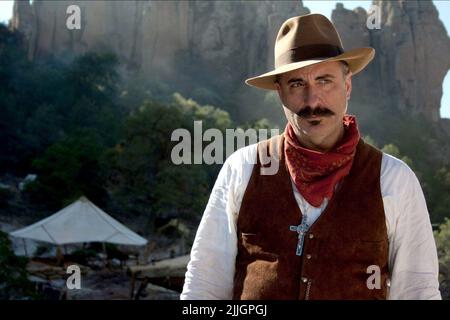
point(311, 36)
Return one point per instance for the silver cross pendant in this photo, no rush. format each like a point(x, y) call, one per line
point(301, 229)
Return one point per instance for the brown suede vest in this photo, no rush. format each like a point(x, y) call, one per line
point(349, 236)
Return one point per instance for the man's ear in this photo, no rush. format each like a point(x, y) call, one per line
point(278, 86)
point(348, 85)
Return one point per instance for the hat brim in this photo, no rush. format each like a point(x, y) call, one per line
point(357, 60)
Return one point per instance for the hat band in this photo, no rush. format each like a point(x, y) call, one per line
point(309, 52)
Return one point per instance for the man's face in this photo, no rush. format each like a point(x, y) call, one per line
point(315, 101)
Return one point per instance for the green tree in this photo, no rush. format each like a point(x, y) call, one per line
point(133, 164)
point(142, 178)
point(14, 283)
point(181, 191)
point(438, 194)
point(211, 116)
point(368, 139)
point(45, 100)
point(442, 237)
point(394, 151)
point(69, 169)
point(28, 89)
point(91, 95)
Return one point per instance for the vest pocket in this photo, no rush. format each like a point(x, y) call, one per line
point(257, 246)
point(372, 243)
point(371, 253)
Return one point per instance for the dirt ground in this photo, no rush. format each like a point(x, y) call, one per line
point(115, 285)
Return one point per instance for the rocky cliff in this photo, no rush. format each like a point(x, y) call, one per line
point(154, 35)
point(413, 53)
point(227, 41)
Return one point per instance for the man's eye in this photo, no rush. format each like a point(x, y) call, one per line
point(324, 81)
point(296, 84)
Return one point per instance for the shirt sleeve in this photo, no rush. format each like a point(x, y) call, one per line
point(210, 272)
point(413, 260)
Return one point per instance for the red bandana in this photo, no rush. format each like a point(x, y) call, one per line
point(315, 174)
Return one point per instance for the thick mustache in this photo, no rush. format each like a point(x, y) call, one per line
point(308, 112)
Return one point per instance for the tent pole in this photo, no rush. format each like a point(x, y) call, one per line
point(133, 282)
point(106, 255)
point(58, 255)
point(104, 249)
point(25, 247)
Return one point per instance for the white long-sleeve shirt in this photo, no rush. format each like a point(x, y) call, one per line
point(413, 262)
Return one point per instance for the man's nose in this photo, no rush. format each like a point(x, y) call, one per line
point(311, 96)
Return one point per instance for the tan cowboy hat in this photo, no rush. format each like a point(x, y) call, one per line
point(307, 40)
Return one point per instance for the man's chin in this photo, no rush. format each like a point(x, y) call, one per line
point(315, 129)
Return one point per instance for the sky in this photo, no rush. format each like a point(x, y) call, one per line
point(325, 8)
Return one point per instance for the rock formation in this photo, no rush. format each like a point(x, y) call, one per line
point(227, 41)
point(413, 53)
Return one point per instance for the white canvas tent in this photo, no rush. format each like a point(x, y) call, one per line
point(82, 221)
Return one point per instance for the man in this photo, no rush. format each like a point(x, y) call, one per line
point(339, 219)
